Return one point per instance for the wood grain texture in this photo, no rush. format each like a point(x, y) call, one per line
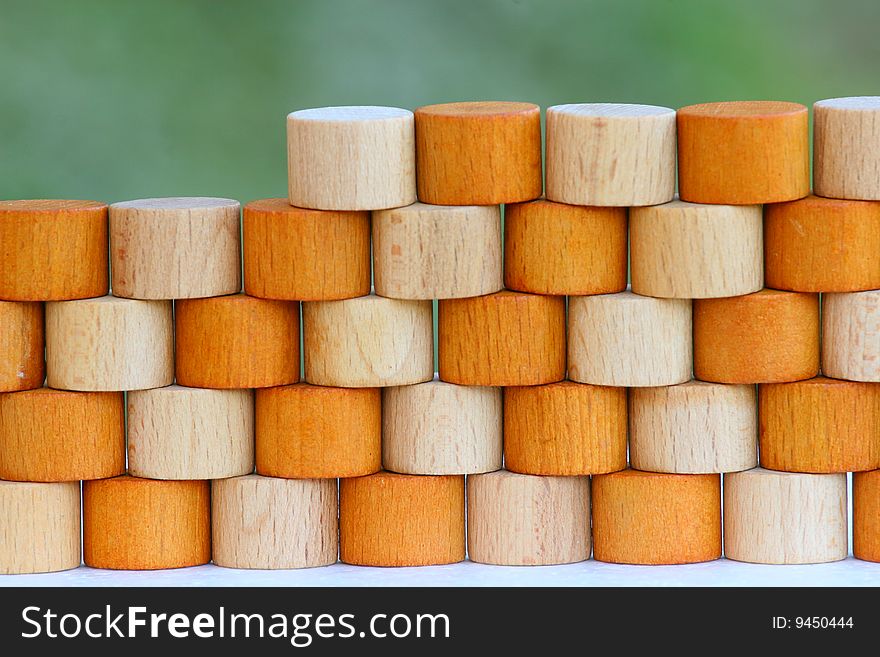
point(866, 515)
point(269, 523)
point(820, 425)
point(369, 341)
point(502, 339)
point(478, 153)
point(625, 339)
point(40, 532)
point(190, 433)
point(312, 255)
point(145, 524)
point(564, 428)
point(109, 344)
point(851, 335)
point(438, 428)
point(610, 154)
point(743, 152)
point(766, 337)
point(22, 360)
point(390, 519)
point(53, 250)
point(689, 251)
point(784, 517)
point(654, 518)
point(693, 428)
point(236, 341)
point(316, 432)
point(351, 158)
point(437, 251)
point(522, 520)
point(555, 248)
point(846, 147)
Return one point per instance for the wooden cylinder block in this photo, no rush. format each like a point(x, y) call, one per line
point(654, 518)
point(438, 428)
point(369, 341)
point(41, 527)
point(555, 248)
point(317, 432)
point(437, 251)
point(522, 520)
point(313, 255)
point(625, 339)
point(784, 517)
point(820, 425)
point(109, 344)
point(145, 524)
point(478, 153)
point(236, 341)
point(851, 335)
point(53, 250)
point(390, 519)
point(351, 158)
point(610, 154)
point(564, 428)
point(190, 433)
point(743, 152)
point(765, 337)
point(22, 361)
point(691, 251)
point(846, 147)
point(502, 339)
point(822, 245)
point(269, 523)
point(866, 515)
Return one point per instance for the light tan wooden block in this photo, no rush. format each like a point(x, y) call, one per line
point(690, 251)
point(610, 154)
point(368, 341)
point(693, 428)
point(625, 339)
point(439, 428)
point(846, 147)
point(437, 251)
point(22, 349)
point(851, 335)
point(351, 158)
point(523, 520)
point(784, 518)
point(109, 344)
point(269, 523)
point(190, 433)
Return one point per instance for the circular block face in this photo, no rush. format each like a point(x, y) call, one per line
point(53, 250)
point(390, 519)
point(784, 517)
point(743, 152)
point(846, 147)
point(555, 248)
point(478, 153)
point(22, 364)
point(610, 154)
point(522, 520)
point(866, 515)
point(312, 255)
point(351, 158)
point(851, 335)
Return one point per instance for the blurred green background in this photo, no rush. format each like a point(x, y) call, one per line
point(117, 99)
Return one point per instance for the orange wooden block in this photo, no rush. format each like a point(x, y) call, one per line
point(555, 248)
point(866, 515)
point(236, 342)
point(317, 432)
point(652, 518)
point(146, 524)
point(22, 361)
point(765, 337)
point(478, 153)
point(312, 255)
point(502, 339)
point(822, 245)
point(53, 250)
point(743, 152)
point(390, 519)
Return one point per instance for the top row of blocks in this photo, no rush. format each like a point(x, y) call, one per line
point(487, 153)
